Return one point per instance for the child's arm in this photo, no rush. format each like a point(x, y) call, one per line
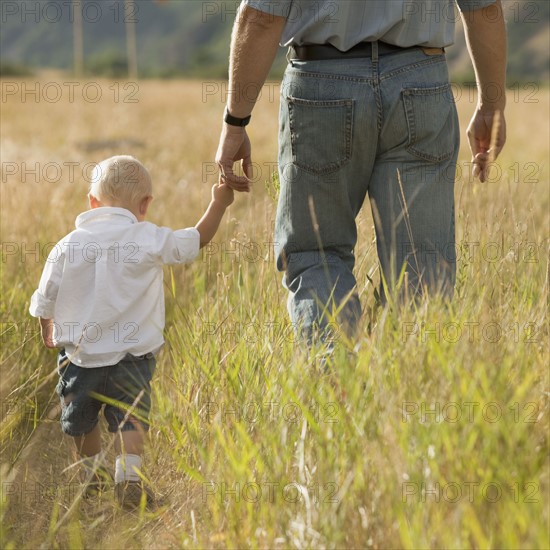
point(46, 329)
point(43, 300)
point(222, 197)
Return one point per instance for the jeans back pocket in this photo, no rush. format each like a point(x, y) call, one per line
point(432, 122)
point(320, 133)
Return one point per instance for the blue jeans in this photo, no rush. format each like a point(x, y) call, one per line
point(385, 126)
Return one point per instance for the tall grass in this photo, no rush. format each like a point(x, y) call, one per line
point(430, 431)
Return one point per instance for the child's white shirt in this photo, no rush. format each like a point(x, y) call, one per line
point(103, 285)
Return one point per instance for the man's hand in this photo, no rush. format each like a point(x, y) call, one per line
point(234, 146)
point(487, 136)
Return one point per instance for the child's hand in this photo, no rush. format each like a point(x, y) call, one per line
point(46, 329)
point(222, 194)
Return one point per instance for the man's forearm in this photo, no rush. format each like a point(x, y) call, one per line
point(485, 31)
point(254, 44)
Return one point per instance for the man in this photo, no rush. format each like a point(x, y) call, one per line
point(366, 108)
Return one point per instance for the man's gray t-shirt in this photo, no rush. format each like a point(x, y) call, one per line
point(344, 24)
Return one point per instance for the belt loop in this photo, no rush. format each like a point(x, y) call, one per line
point(374, 52)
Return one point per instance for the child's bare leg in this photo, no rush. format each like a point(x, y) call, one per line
point(88, 452)
point(129, 442)
point(90, 443)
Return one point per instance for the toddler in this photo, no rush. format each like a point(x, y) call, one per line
point(101, 302)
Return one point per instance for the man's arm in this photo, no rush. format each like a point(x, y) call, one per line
point(486, 38)
point(254, 43)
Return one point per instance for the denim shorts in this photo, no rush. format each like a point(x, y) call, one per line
point(83, 392)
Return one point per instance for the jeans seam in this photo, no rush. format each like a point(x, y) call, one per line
point(378, 96)
point(413, 66)
point(324, 76)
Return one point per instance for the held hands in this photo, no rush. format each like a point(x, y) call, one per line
point(487, 136)
point(234, 146)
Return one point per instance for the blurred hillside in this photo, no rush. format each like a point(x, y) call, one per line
point(191, 37)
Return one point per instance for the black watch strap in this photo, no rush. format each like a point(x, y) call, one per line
point(234, 121)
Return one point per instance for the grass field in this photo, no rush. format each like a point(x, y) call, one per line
point(430, 431)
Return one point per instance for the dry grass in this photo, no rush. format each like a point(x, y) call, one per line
point(341, 436)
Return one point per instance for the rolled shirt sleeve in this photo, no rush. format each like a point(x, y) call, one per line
point(177, 247)
point(273, 7)
point(44, 298)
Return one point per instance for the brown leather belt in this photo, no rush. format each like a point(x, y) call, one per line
point(318, 52)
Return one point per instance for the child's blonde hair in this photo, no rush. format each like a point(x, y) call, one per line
point(120, 179)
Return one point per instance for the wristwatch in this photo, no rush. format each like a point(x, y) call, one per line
point(233, 120)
